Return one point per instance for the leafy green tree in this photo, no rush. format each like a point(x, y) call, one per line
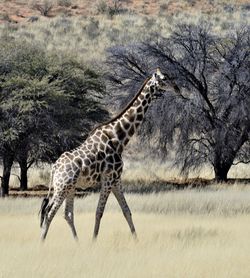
point(47, 105)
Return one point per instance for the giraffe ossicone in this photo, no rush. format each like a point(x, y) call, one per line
point(99, 160)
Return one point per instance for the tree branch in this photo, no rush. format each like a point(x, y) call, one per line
point(241, 161)
point(17, 177)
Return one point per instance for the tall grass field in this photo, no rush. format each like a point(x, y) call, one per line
point(189, 233)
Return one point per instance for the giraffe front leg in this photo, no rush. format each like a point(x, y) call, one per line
point(117, 190)
point(69, 213)
point(104, 194)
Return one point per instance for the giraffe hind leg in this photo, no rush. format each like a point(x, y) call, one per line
point(124, 206)
point(104, 194)
point(51, 210)
point(69, 213)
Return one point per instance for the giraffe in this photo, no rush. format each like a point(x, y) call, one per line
point(99, 161)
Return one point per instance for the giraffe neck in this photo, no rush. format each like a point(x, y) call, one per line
point(124, 126)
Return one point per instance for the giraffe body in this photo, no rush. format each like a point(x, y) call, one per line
point(98, 161)
point(88, 164)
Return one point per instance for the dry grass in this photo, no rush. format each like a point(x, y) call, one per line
point(36, 176)
point(20, 10)
point(88, 36)
point(181, 234)
point(151, 170)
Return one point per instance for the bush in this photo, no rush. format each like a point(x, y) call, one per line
point(92, 28)
point(64, 3)
point(245, 7)
point(44, 7)
point(110, 10)
point(102, 7)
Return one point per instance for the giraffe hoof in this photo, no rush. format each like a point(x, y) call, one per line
point(135, 237)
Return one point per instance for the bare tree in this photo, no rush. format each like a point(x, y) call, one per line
point(206, 114)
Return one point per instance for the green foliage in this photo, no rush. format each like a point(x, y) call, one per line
point(47, 103)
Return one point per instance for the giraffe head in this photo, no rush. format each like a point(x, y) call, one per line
point(157, 82)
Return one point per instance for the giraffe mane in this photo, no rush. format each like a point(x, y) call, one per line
point(124, 109)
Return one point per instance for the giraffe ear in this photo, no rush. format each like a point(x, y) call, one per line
point(159, 73)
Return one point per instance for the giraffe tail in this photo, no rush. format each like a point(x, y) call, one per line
point(42, 211)
point(45, 202)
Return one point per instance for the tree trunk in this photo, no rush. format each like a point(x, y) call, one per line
point(224, 155)
point(7, 164)
point(222, 165)
point(221, 172)
point(23, 163)
point(24, 175)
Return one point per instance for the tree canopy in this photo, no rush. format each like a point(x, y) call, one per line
point(47, 104)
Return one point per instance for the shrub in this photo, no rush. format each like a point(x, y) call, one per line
point(92, 28)
point(245, 7)
point(191, 2)
point(102, 7)
point(111, 10)
point(64, 3)
point(44, 7)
